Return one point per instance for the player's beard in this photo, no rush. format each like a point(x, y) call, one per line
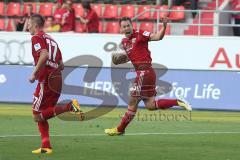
point(128, 33)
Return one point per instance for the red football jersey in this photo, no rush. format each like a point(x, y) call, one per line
point(58, 15)
point(93, 24)
point(69, 17)
point(42, 41)
point(136, 47)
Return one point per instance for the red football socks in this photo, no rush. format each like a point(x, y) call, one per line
point(126, 119)
point(54, 111)
point(44, 131)
point(165, 103)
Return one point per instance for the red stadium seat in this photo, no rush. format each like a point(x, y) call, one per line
point(46, 9)
point(10, 25)
point(127, 11)
point(207, 15)
point(177, 15)
point(79, 27)
point(203, 21)
point(2, 24)
point(147, 26)
point(112, 27)
point(146, 15)
point(168, 29)
point(100, 28)
point(204, 30)
point(1, 8)
point(25, 8)
point(192, 30)
point(13, 9)
point(78, 9)
point(161, 12)
point(111, 11)
point(212, 5)
point(98, 9)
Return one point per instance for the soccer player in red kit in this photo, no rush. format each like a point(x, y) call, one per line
point(135, 45)
point(48, 65)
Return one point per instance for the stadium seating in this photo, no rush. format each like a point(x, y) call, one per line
point(2, 24)
point(147, 26)
point(202, 30)
point(206, 15)
point(101, 27)
point(212, 5)
point(146, 15)
point(78, 9)
point(111, 11)
point(1, 8)
point(46, 9)
point(161, 12)
point(127, 11)
point(25, 8)
point(13, 9)
point(10, 24)
point(98, 9)
point(178, 14)
point(112, 27)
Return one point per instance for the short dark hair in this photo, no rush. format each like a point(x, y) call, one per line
point(38, 19)
point(125, 19)
point(86, 5)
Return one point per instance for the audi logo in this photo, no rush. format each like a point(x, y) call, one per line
point(15, 52)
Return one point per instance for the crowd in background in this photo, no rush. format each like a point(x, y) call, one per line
point(63, 18)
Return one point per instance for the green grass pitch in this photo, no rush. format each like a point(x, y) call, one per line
point(165, 135)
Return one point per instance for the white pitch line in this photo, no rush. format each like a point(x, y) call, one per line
point(127, 134)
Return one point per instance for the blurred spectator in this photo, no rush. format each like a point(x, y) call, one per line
point(236, 16)
point(193, 4)
point(58, 11)
point(91, 19)
point(21, 24)
point(50, 26)
point(68, 17)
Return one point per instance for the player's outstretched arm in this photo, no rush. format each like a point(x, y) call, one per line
point(119, 58)
point(159, 35)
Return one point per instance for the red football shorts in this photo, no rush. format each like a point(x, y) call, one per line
point(144, 84)
point(47, 93)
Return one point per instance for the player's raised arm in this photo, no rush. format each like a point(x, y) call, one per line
point(159, 35)
point(119, 58)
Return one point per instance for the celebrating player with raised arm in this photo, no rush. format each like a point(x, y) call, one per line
point(135, 45)
point(48, 65)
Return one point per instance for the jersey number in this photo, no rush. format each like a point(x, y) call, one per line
point(52, 56)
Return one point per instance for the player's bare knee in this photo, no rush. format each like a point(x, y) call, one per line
point(37, 118)
point(133, 101)
point(150, 107)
